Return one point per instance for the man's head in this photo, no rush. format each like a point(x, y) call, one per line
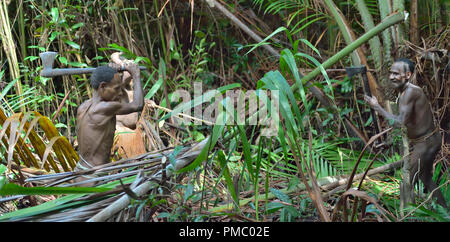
point(400, 73)
point(107, 82)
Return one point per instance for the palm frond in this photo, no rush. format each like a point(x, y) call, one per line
point(24, 146)
point(144, 175)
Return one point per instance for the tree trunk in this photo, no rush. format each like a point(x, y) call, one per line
point(413, 24)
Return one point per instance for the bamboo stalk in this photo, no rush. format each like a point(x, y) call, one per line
point(383, 5)
point(23, 45)
point(389, 21)
point(374, 43)
point(358, 56)
point(9, 47)
point(399, 6)
point(414, 24)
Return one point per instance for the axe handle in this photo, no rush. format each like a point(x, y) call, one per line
point(66, 71)
point(369, 93)
point(72, 71)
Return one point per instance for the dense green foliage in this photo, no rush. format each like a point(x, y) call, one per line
point(182, 43)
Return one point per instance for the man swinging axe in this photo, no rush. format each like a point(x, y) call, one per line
point(96, 117)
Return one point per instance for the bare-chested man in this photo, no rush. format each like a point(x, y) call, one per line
point(96, 118)
point(424, 139)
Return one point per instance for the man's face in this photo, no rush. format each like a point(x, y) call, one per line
point(399, 75)
point(112, 91)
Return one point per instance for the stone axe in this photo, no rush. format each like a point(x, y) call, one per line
point(354, 70)
point(48, 58)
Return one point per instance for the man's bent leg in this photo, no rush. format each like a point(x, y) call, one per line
point(426, 167)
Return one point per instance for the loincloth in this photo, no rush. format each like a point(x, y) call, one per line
point(423, 138)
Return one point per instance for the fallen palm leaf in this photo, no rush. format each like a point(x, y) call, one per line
point(16, 131)
point(143, 179)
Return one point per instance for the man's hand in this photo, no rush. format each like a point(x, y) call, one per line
point(131, 67)
point(372, 101)
point(115, 58)
point(116, 66)
point(123, 64)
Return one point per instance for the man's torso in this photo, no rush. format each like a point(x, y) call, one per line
point(95, 134)
point(420, 122)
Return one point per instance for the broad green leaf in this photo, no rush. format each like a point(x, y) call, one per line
point(63, 60)
point(42, 49)
point(288, 58)
point(78, 25)
point(53, 36)
point(154, 89)
point(311, 46)
point(55, 14)
point(122, 49)
point(292, 211)
point(273, 207)
point(72, 44)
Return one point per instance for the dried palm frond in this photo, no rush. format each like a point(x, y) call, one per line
point(22, 143)
point(142, 175)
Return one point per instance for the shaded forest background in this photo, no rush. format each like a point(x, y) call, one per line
point(223, 44)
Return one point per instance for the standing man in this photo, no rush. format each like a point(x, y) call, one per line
point(424, 139)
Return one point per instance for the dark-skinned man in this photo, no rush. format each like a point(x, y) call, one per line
point(96, 118)
point(424, 139)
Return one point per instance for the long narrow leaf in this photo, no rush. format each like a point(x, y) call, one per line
point(14, 189)
point(226, 173)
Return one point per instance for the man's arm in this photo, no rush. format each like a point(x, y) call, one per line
point(118, 108)
point(405, 108)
